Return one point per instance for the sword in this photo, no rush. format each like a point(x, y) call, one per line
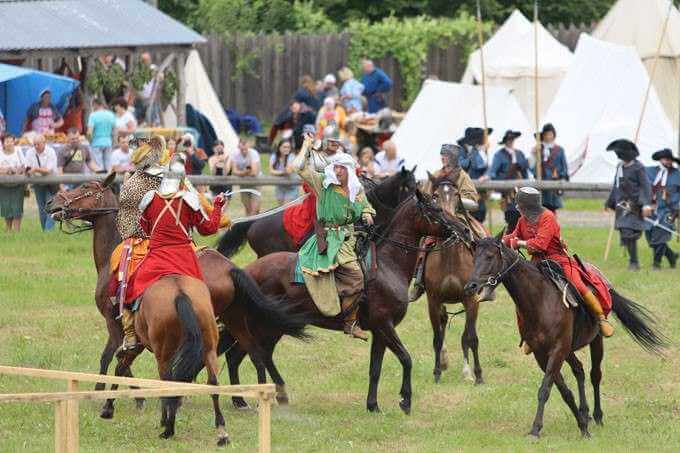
point(654, 223)
point(233, 192)
point(271, 212)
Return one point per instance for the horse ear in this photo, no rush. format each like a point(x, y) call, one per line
point(110, 178)
point(430, 177)
point(413, 170)
point(419, 195)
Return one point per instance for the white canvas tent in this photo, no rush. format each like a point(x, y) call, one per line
point(443, 110)
point(600, 100)
point(201, 95)
point(639, 23)
point(509, 62)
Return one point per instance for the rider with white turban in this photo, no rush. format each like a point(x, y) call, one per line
point(328, 260)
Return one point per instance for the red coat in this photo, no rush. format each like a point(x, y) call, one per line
point(170, 246)
point(545, 243)
point(298, 220)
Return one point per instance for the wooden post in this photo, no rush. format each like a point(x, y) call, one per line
point(539, 153)
point(181, 89)
point(265, 421)
point(72, 422)
point(60, 435)
point(480, 36)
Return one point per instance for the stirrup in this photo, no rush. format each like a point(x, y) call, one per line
point(353, 330)
point(415, 290)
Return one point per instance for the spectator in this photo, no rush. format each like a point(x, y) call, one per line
point(121, 161)
point(3, 125)
point(281, 164)
point(74, 113)
point(43, 117)
point(172, 145)
point(351, 91)
point(508, 162)
point(331, 115)
point(376, 85)
point(328, 88)
point(294, 118)
point(126, 124)
point(101, 127)
point(245, 162)
point(366, 162)
point(306, 94)
point(74, 157)
point(196, 157)
point(41, 160)
point(11, 197)
point(387, 161)
point(220, 165)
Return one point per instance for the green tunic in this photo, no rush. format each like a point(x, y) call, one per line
point(338, 213)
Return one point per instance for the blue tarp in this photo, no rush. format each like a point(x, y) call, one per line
point(21, 87)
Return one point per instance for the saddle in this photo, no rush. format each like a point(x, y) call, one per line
point(553, 272)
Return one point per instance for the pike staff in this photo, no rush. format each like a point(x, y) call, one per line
point(480, 35)
point(539, 156)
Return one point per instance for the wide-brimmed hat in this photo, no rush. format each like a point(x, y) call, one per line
point(665, 154)
point(509, 135)
point(624, 149)
point(474, 136)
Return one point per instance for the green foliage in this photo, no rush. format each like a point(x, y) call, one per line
point(170, 87)
point(408, 41)
point(105, 81)
point(141, 74)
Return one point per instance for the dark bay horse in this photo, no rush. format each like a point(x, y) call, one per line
point(446, 273)
point(383, 305)
point(237, 301)
point(555, 332)
point(267, 235)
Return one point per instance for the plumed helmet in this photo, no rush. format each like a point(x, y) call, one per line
point(149, 152)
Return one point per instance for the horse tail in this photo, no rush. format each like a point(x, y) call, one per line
point(639, 323)
point(234, 238)
point(272, 312)
point(188, 360)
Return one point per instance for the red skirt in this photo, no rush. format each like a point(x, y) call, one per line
point(298, 220)
point(162, 261)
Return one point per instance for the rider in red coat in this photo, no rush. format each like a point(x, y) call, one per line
point(168, 216)
point(539, 232)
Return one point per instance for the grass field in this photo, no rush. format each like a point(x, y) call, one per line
point(48, 320)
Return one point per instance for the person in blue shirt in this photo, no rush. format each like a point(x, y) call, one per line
point(473, 159)
point(509, 163)
point(665, 180)
point(376, 84)
point(101, 127)
point(554, 166)
point(306, 94)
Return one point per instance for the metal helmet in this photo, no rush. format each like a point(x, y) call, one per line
point(174, 176)
point(529, 203)
point(452, 152)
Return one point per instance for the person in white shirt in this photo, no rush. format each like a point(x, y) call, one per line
point(387, 161)
point(120, 158)
point(126, 123)
point(11, 197)
point(245, 162)
point(41, 160)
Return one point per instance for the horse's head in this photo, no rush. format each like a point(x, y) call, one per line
point(85, 202)
point(492, 262)
point(428, 218)
point(444, 193)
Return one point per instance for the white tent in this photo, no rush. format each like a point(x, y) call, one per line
point(443, 110)
point(509, 61)
point(201, 95)
point(639, 23)
point(600, 100)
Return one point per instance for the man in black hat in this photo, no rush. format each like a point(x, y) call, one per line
point(630, 197)
point(665, 180)
point(554, 166)
point(473, 160)
point(509, 163)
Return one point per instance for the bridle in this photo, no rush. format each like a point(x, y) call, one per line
point(72, 213)
point(493, 280)
point(374, 194)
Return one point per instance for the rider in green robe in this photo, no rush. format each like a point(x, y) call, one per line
point(328, 260)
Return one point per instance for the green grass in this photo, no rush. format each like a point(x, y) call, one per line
point(48, 320)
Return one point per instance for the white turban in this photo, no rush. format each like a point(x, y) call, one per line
point(352, 181)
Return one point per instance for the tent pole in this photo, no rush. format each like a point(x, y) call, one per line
point(480, 35)
point(539, 154)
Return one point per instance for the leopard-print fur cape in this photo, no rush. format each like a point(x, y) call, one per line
point(131, 194)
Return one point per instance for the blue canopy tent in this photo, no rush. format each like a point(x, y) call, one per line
point(21, 87)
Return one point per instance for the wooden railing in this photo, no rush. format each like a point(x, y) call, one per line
point(66, 425)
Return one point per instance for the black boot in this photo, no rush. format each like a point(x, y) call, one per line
point(633, 263)
point(658, 255)
point(671, 256)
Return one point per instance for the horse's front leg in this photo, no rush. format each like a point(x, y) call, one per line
point(568, 397)
point(220, 425)
point(551, 366)
point(122, 369)
point(375, 367)
point(105, 361)
point(395, 345)
point(435, 309)
point(470, 339)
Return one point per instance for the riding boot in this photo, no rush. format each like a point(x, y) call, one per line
point(351, 324)
point(671, 256)
point(416, 287)
point(526, 349)
point(633, 263)
point(595, 309)
point(129, 334)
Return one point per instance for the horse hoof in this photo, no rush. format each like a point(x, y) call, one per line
point(166, 434)
point(437, 377)
point(107, 413)
point(585, 434)
point(374, 408)
point(223, 441)
point(405, 406)
point(467, 373)
point(240, 404)
point(534, 435)
point(282, 399)
point(599, 422)
point(479, 381)
point(139, 403)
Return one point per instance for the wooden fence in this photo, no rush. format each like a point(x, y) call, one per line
point(66, 425)
point(264, 81)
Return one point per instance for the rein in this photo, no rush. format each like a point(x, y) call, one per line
point(80, 213)
point(494, 280)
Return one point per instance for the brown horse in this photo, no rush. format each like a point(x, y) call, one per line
point(267, 235)
point(237, 301)
point(555, 332)
point(385, 301)
point(446, 273)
